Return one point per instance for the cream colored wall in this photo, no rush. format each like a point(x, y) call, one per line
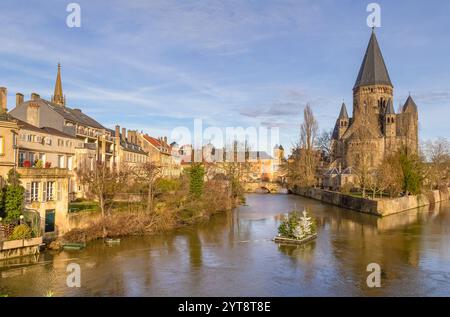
point(7, 153)
point(60, 203)
point(52, 151)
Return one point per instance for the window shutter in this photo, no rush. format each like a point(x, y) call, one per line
point(58, 191)
point(28, 193)
point(44, 192)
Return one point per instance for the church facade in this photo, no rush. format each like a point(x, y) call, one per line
point(374, 129)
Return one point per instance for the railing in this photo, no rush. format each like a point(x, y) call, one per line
point(90, 146)
point(43, 172)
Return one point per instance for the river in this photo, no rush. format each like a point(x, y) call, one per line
point(233, 255)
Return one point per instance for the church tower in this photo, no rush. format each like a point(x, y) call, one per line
point(342, 122)
point(390, 130)
point(373, 87)
point(58, 96)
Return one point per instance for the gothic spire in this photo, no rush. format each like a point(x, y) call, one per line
point(343, 114)
point(58, 96)
point(373, 70)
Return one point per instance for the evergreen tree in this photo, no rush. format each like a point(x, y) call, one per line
point(14, 197)
point(412, 173)
point(196, 175)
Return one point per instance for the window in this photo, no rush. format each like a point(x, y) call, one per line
point(60, 142)
point(22, 158)
point(34, 195)
point(50, 220)
point(61, 161)
point(48, 192)
point(69, 162)
point(2, 146)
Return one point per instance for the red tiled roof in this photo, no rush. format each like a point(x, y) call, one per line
point(153, 141)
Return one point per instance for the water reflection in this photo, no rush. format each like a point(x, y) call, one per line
point(233, 255)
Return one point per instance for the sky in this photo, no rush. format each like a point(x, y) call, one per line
point(159, 64)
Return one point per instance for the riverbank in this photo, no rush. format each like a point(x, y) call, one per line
point(233, 255)
point(380, 206)
point(173, 212)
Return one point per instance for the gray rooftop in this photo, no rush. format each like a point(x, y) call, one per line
point(390, 108)
point(410, 105)
point(75, 115)
point(373, 70)
point(343, 114)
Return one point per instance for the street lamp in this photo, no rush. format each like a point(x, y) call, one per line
point(21, 218)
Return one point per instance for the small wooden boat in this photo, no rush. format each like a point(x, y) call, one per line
point(112, 241)
point(283, 240)
point(74, 246)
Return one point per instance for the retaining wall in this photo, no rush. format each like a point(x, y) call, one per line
point(378, 207)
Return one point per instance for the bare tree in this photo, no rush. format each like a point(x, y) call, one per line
point(363, 171)
point(104, 183)
point(148, 174)
point(301, 167)
point(324, 142)
point(438, 167)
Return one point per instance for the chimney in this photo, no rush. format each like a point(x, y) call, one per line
point(19, 99)
point(35, 96)
point(3, 100)
point(117, 135)
point(124, 134)
point(165, 139)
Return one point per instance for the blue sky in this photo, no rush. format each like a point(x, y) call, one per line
point(157, 64)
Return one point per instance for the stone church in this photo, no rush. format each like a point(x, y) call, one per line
point(375, 129)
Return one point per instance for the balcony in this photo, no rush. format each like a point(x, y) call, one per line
point(32, 172)
point(85, 132)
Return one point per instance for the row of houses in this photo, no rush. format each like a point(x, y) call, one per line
point(48, 143)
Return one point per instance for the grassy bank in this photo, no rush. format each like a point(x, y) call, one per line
point(172, 210)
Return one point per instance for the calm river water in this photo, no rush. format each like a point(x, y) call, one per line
point(233, 255)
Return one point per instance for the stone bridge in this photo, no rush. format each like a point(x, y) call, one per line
point(264, 187)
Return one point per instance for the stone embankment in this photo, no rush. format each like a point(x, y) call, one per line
point(380, 206)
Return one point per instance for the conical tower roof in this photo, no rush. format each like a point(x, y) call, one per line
point(390, 108)
point(410, 105)
point(343, 114)
point(373, 70)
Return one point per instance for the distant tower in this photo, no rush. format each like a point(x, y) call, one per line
point(410, 128)
point(342, 122)
point(390, 121)
point(58, 96)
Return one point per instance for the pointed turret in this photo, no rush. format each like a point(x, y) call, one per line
point(58, 96)
point(390, 108)
point(343, 114)
point(342, 123)
point(410, 105)
point(373, 70)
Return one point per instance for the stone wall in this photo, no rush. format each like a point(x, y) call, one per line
point(378, 207)
point(19, 248)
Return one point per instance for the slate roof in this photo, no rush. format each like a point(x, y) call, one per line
point(47, 130)
point(390, 108)
point(373, 69)
point(70, 114)
point(343, 114)
point(410, 105)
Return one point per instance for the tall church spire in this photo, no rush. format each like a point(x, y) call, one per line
point(373, 70)
point(58, 96)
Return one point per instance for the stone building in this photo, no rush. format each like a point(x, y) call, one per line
point(128, 150)
point(375, 129)
point(55, 114)
point(46, 185)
